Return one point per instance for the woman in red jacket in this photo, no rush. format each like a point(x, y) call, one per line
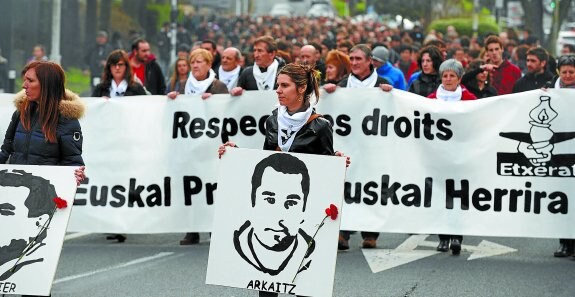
point(451, 89)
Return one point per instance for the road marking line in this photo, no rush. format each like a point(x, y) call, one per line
point(75, 235)
point(124, 265)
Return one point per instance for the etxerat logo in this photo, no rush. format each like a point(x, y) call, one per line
point(534, 156)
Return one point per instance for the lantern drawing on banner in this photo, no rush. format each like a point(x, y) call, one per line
point(538, 149)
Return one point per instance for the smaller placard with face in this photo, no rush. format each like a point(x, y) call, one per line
point(35, 205)
point(276, 223)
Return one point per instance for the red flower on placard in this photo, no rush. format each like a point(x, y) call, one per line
point(61, 203)
point(332, 211)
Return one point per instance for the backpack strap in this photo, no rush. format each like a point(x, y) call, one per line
point(313, 117)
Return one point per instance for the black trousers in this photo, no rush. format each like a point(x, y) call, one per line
point(364, 235)
point(448, 237)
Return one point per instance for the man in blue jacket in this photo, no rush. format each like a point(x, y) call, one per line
point(386, 70)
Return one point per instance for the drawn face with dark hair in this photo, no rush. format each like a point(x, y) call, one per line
point(26, 202)
point(269, 239)
point(280, 196)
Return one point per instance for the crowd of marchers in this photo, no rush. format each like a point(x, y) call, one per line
point(233, 55)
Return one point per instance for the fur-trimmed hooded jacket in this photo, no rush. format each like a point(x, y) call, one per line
point(31, 148)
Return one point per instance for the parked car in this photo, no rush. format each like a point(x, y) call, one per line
point(321, 9)
point(565, 37)
point(281, 10)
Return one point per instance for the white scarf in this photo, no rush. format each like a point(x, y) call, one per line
point(266, 80)
point(195, 87)
point(560, 85)
point(369, 82)
point(445, 95)
point(118, 90)
point(289, 125)
point(230, 78)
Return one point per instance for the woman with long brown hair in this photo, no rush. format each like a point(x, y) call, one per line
point(180, 75)
point(117, 78)
point(44, 129)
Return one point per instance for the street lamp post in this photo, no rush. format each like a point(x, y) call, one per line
point(475, 17)
point(56, 18)
point(173, 40)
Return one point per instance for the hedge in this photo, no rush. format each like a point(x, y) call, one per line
point(464, 26)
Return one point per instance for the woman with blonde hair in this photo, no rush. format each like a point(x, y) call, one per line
point(202, 80)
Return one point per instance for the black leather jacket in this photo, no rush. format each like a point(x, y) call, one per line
point(316, 137)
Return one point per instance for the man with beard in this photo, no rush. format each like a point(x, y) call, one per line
point(537, 74)
point(230, 70)
point(25, 202)
point(146, 69)
point(280, 186)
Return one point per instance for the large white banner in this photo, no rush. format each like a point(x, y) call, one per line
point(276, 222)
point(501, 166)
point(33, 220)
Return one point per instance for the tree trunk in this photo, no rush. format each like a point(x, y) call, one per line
point(132, 8)
point(71, 48)
point(6, 32)
point(105, 12)
point(562, 10)
point(534, 17)
point(91, 23)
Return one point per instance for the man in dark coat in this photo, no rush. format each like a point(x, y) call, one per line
point(211, 47)
point(262, 75)
point(146, 69)
point(95, 60)
point(537, 74)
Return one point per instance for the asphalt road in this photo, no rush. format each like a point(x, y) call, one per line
point(155, 265)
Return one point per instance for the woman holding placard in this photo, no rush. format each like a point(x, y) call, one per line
point(44, 129)
point(302, 129)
